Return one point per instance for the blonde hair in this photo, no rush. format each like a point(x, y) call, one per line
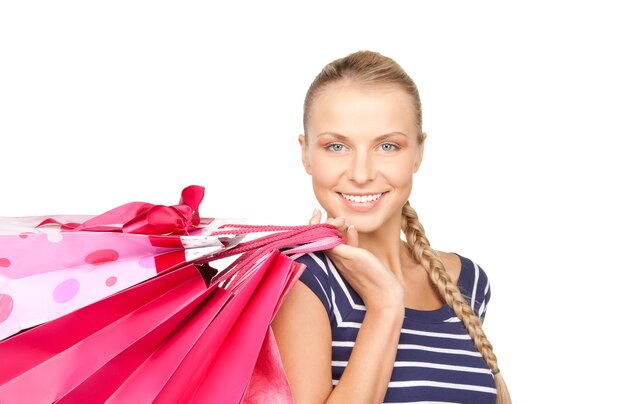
point(372, 68)
point(365, 68)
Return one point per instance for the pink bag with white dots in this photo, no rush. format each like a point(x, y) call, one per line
point(51, 266)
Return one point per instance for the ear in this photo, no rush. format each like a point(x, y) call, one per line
point(420, 154)
point(305, 153)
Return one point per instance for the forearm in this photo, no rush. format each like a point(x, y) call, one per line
point(367, 374)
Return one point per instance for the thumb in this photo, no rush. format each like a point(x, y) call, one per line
point(316, 217)
point(352, 236)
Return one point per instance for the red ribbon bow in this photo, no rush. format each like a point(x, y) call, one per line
point(146, 218)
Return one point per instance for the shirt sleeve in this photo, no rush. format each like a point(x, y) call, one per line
point(482, 292)
point(474, 286)
point(316, 277)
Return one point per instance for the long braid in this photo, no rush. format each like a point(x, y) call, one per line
point(423, 253)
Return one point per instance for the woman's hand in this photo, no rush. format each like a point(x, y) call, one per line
point(376, 285)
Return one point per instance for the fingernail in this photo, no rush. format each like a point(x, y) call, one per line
point(315, 211)
point(351, 227)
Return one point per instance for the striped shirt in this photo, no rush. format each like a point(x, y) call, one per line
point(436, 361)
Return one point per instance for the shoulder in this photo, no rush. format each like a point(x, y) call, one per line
point(453, 264)
point(471, 279)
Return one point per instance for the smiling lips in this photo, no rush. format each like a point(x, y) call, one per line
point(362, 203)
point(361, 198)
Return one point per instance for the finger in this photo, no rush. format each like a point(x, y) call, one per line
point(352, 236)
point(340, 251)
point(316, 218)
point(338, 222)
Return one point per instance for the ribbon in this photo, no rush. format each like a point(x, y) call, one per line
point(146, 218)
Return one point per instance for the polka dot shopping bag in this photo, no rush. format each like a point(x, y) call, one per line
point(51, 266)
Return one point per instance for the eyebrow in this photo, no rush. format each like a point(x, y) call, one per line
point(378, 138)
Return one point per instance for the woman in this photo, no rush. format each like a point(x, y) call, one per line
point(377, 318)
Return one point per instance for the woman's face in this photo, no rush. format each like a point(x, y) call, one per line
point(361, 152)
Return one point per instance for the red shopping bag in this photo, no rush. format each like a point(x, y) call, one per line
point(168, 338)
point(52, 266)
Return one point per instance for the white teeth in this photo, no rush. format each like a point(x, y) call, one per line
point(362, 198)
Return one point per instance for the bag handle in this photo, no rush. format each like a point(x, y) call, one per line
point(284, 236)
point(298, 240)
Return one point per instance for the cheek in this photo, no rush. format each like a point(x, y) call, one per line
point(399, 172)
point(325, 172)
point(323, 184)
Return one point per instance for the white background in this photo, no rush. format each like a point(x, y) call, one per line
point(103, 103)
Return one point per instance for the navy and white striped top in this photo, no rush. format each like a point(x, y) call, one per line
point(436, 362)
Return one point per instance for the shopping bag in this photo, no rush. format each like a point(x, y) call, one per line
point(174, 336)
point(219, 364)
point(51, 266)
point(58, 355)
point(268, 383)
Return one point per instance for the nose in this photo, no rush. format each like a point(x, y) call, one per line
point(361, 168)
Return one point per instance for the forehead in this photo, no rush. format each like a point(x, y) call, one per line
point(351, 109)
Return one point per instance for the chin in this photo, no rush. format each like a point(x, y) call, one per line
point(362, 223)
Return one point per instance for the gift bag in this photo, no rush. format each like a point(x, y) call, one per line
point(51, 266)
point(189, 334)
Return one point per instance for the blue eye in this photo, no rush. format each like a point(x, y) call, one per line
point(336, 147)
point(388, 146)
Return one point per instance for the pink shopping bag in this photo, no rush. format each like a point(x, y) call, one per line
point(49, 270)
